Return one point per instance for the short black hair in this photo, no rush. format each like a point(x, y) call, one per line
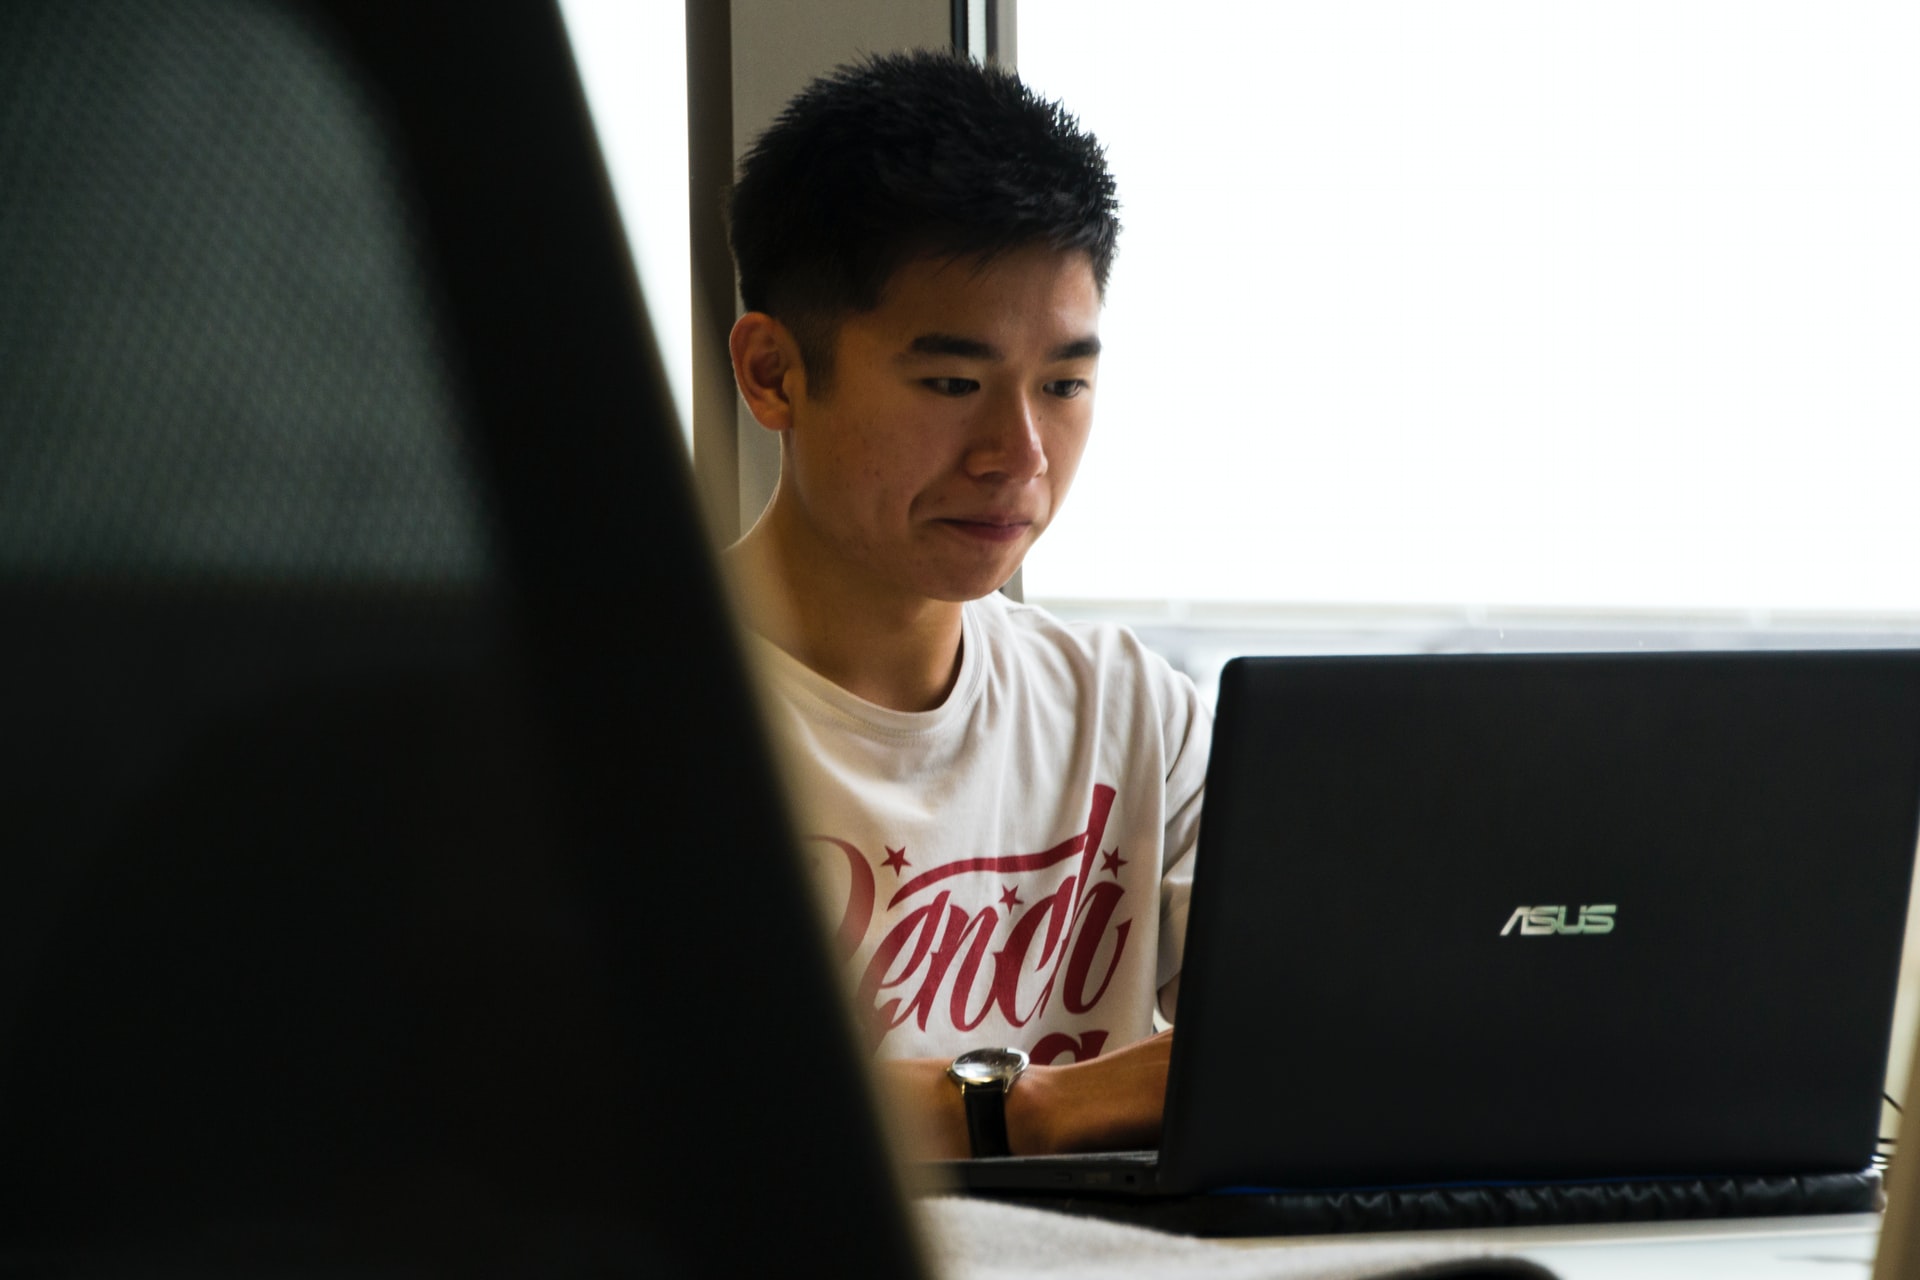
point(899, 157)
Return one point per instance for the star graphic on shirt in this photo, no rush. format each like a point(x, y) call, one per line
point(1112, 862)
point(1011, 898)
point(896, 858)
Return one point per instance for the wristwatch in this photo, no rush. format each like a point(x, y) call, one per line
point(985, 1077)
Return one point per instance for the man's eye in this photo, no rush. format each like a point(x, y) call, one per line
point(1066, 388)
point(950, 386)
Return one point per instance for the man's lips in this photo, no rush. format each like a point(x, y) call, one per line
point(989, 528)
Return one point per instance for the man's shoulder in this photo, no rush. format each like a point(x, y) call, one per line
point(1029, 637)
point(1006, 621)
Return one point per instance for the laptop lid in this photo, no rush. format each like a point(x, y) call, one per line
point(1544, 916)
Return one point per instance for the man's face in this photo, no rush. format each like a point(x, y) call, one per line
point(956, 416)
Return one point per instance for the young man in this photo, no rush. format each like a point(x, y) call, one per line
point(1000, 806)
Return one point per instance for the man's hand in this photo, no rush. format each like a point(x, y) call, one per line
point(1109, 1103)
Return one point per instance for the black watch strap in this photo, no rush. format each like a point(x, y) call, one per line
point(985, 1077)
point(986, 1119)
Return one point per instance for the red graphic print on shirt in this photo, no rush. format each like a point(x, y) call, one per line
point(938, 960)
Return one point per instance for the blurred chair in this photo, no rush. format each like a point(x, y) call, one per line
point(394, 874)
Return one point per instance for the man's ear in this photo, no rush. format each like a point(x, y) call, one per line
point(767, 368)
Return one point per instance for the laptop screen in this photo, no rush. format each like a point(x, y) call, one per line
point(1545, 916)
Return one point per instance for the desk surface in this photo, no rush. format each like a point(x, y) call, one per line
point(1809, 1248)
point(976, 1240)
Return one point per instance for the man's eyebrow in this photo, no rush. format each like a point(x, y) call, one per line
point(950, 344)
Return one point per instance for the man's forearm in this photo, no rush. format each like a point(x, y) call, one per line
point(1109, 1103)
point(927, 1110)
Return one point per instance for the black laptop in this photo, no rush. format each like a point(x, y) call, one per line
point(1536, 919)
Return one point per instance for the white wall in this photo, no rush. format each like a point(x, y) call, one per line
point(778, 46)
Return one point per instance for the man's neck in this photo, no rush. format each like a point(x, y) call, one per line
point(898, 652)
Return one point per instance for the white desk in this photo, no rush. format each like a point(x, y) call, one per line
point(1794, 1248)
point(974, 1240)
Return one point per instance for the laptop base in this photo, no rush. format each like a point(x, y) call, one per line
point(1290, 1213)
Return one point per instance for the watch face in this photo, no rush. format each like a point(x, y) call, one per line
point(988, 1066)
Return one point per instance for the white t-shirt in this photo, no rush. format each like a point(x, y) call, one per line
point(1012, 867)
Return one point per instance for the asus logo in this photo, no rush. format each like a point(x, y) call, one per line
point(1539, 920)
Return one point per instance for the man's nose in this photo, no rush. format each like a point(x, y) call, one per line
point(1008, 444)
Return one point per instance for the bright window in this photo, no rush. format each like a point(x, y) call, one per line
point(633, 65)
point(1531, 304)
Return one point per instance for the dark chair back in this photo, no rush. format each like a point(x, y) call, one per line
point(392, 869)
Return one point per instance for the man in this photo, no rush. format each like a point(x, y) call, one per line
point(1001, 807)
